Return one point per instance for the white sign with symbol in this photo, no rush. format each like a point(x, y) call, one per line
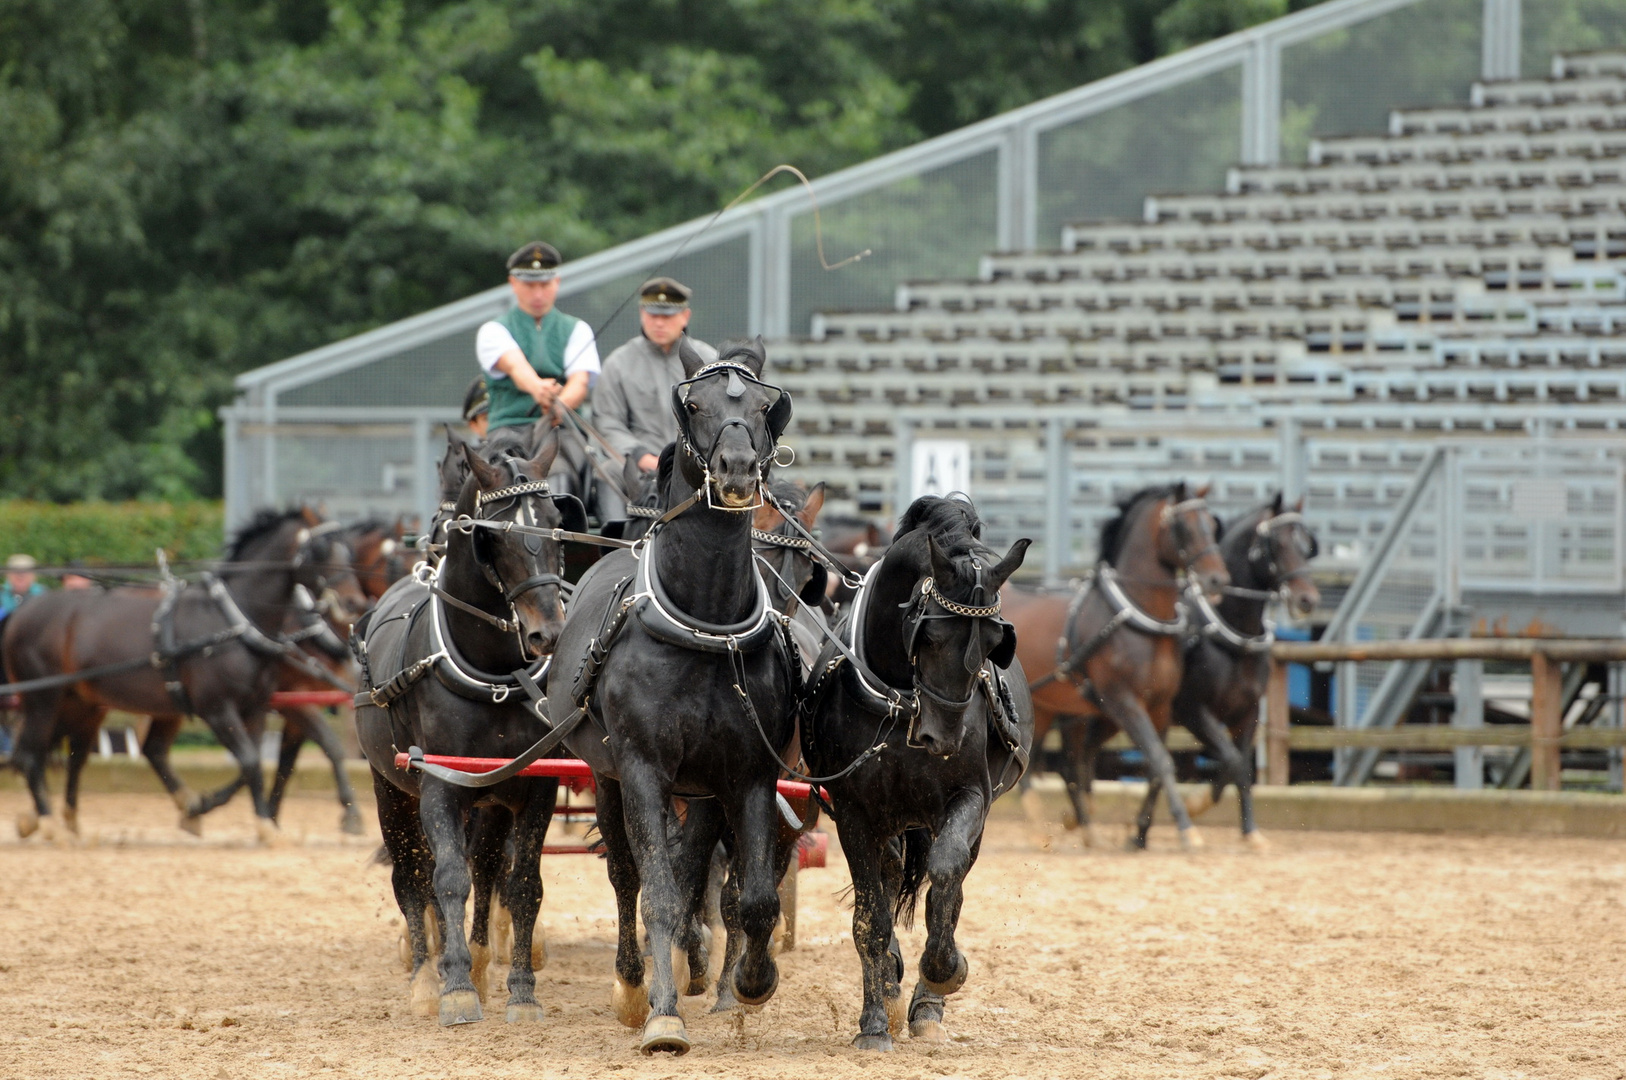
point(939, 466)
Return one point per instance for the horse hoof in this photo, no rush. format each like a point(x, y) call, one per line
point(267, 832)
point(953, 982)
point(1191, 839)
point(1200, 803)
point(70, 818)
point(726, 1002)
point(350, 824)
point(881, 1042)
point(190, 823)
point(896, 1015)
point(425, 994)
point(50, 830)
point(1256, 840)
point(665, 1035)
point(1093, 836)
point(460, 1007)
point(929, 1031)
point(631, 1003)
point(523, 1012)
point(1135, 843)
point(28, 823)
point(757, 999)
point(480, 968)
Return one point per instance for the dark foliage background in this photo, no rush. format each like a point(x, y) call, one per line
point(191, 188)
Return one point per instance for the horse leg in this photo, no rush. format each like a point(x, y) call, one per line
point(29, 754)
point(876, 866)
point(1143, 818)
point(86, 720)
point(409, 877)
point(441, 811)
point(627, 995)
point(322, 734)
point(1244, 783)
point(522, 894)
point(295, 724)
point(646, 802)
point(1072, 742)
point(161, 732)
point(229, 727)
point(728, 909)
point(1126, 711)
point(756, 829)
point(702, 827)
point(489, 830)
point(943, 967)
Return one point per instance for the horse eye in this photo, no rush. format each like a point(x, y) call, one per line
point(692, 407)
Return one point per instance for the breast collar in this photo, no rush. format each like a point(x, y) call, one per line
point(454, 670)
point(666, 622)
point(1222, 633)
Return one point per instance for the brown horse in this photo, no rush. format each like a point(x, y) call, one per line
point(1113, 651)
point(224, 669)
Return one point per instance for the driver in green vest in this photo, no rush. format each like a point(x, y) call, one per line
point(537, 355)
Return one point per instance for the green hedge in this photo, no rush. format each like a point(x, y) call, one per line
point(107, 533)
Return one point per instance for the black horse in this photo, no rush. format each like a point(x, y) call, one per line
point(448, 658)
point(929, 640)
point(221, 635)
point(1268, 553)
point(677, 656)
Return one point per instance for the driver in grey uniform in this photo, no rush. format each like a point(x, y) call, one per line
point(632, 400)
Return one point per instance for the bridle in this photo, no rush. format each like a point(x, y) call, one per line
point(1174, 520)
point(916, 613)
point(519, 498)
point(1265, 552)
point(777, 416)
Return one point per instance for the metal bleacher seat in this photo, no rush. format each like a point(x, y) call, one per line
point(1379, 150)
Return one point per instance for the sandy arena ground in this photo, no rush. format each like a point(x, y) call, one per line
point(143, 952)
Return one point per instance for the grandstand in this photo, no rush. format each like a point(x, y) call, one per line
point(1436, 290)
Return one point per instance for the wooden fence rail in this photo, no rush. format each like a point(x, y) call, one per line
point(1545, 736)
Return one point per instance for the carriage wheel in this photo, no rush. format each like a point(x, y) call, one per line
point(787, 906)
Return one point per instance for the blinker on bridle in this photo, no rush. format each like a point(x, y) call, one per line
point(1174, 519)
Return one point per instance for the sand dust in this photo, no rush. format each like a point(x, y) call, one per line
point(1347, 955)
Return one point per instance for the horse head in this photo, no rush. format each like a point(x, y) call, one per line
point(1279, 553)
point(786, 564)
point(377, 555)
point(323, 564)
point(526, 569)
point(729, 423)
point(1184, 538)
point(951, 622)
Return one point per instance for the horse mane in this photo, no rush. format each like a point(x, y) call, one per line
point(1113, 531)
point(261, 525)
point(952, 523)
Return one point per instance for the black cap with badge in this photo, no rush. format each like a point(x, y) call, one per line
point(663, 296)
point(535, 261)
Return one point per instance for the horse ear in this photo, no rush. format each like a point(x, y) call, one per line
point(1276, 504)
point(399, 529)
point(542, 464)
point(765, 518)
point(811, 508)
point(690, 357)
point(484, 474)
point(1202, 492)
point(310, 517)
point(1298, 507)
point(453, 439)
point(1004, 568)
point(756, 357)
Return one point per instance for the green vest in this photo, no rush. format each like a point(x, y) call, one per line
point(544, 347)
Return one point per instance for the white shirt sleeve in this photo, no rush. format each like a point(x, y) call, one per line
point(491, 342)
point(581, 352)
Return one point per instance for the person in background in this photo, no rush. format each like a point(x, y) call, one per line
point(632, 402)
point(20, 583)
point(477, 407)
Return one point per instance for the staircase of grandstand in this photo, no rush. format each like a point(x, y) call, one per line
point(1319, 326)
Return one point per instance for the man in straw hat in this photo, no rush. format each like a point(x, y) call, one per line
point(20, 583)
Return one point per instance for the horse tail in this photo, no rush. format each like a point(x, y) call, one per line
point(917, 847)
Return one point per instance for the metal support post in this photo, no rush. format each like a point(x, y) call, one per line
point(1292, 463)
point(1018, 211)
point(1546, 722)
point(904, 461)
point(1262, 103)
point(1470, 713)
point(1057, 503)
point(1499, 43)
point(1277, 716)
point(1617, 720)
point(425, 490)
point(776, 275)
